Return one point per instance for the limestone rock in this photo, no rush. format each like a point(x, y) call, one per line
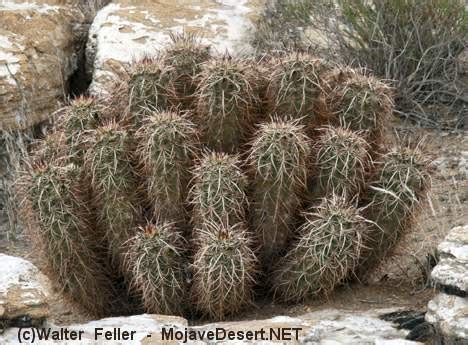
point(452, 270)
point(37, 56)
point(126, 30)
point(449, 315)
point(328, 326)
point(141, 325)
point(24, 290)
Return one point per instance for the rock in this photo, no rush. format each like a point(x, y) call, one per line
point(320, 327)
point(37, 56)
point(142, 326)
point(451, 273)
point(329, 326)
point(449, 315)
point(126, 30)
point(24, 290)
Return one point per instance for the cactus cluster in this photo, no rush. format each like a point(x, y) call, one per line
point(203, 180)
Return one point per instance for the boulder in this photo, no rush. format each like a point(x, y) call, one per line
point(449, 315)
point(451, 272)
point(37, 57)
point(126, 30)
point(24, 290)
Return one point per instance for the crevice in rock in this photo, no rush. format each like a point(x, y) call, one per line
point(79, 81)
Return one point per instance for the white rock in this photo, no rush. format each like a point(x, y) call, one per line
point(329, 326)
point(126, 30)
point(24, 290)
point(455, 245)
point(452, 269)
point(449, 314)
point(142, 325)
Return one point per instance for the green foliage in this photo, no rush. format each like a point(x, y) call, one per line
point(154, 262)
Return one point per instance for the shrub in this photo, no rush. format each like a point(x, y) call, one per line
point(414, 44)
point(113, 202)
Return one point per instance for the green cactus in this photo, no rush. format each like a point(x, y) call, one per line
point(66, 236)
point(113, 183)
point(327, 251)
point(358, 102)
point(150, 86)
point(342, 162)
point(226, 102)
point(154, 262)
point(224, 271)
point(278, 160)
point(218, 191)
point(294, 87)
point(395, 197)
point(166, 146)
point(83, 114)
point(185, 54)
point(215, 155)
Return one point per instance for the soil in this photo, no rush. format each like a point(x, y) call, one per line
point(401, 282)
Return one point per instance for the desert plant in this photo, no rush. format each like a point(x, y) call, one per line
point(278, 161)
point(137, 159)
point(218, 191)
point(185, 54)
point(150, 86)
point(295, 86)
point(81, 116)
point(154, 261)
point(111, 175)
point(327, 251)
point(414, 44)
point(226, 102)
point(395, 196)
point(359, 102)
point(166, 146)
point(66, 236)
point(342, 162)
point(224, 271)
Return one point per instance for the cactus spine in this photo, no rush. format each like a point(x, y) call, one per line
point(278, 160)
point(342, 162)
point(113, 184)
point(218, 191)
point(226, 103)
point(66, 236)
point(166, 145)
point(327, 251)
point(224, 271)
point(155, 263)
